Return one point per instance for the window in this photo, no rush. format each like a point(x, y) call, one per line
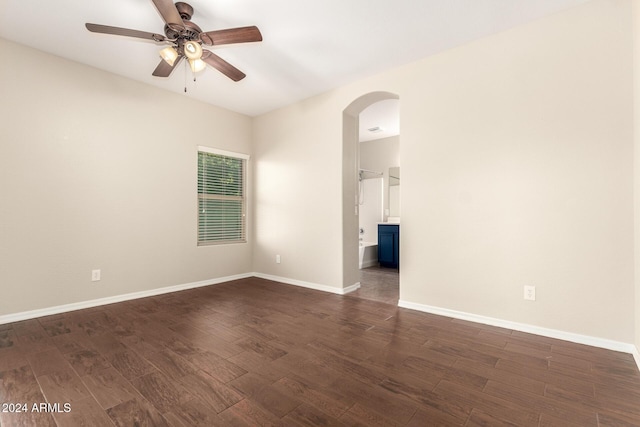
point(221, 196)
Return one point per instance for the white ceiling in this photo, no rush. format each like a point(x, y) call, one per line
point(383, 117)
point(309, 46)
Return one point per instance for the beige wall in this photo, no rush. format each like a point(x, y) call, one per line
point(297, 183)
point(523, 164)
point(636, 163)
point(517, 169)
point(95, 173)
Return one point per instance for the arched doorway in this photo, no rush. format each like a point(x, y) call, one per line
point(350, 166)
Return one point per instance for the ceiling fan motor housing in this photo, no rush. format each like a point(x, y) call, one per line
point(185, 10)
point(190, 32)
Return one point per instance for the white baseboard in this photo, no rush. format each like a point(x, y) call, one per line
point(636, 356)
point(551, 333)
point(25, 315)
point(369, 263)
point(317, 287)
point(351, 288)
point(32, 314)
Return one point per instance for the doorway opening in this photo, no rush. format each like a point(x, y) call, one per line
point(370, 194)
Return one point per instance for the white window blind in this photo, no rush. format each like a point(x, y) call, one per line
point(221, 197)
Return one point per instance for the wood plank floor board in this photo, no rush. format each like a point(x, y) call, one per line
point(11, 357)
point(194, 413)
point(35, 342)
point(361, 371)
point(221, 369)
point(249, 384)
point(171, 364)
point(430, 398)
point(86, 361)
point(142, 344)
point(136, 412)
point(248, 413)
point(310, 416)
point(507, 410)
point(324, 400)
point(547, 420)
point(428, 416)
point(27, 419)
point(47, 362)
point(160, 391)
point(252, 362)
point(350, 350)
point(262, 348)
point(109, 388)
point(27, 327)
point(584, 416)
point(275, 401)
point(393, 404)
point(257, 352)
point(360, 416)
point(212, 392)
point(129, 363)
point(461, 351)
point(469, 377)
point(611, 419)
point(8, 338)
point(72, 342)
point(62, 387)
point(561, 379)
point(19, 386)
point(491, 373)
point(84, 412)
point(479, 418)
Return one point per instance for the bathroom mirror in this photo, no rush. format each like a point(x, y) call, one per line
point(394, 191)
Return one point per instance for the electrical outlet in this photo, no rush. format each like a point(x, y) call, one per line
point(95, 275)
point(277, 259)
point(530, 293)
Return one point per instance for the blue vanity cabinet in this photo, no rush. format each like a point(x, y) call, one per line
point(389, 245)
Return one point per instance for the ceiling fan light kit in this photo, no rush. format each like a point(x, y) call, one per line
point(185, 40)
point(197, 65)
point(192, 50)
point(169, 55)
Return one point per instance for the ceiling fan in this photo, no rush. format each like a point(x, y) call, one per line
point(185, 40)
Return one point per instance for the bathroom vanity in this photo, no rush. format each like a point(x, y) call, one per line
point(389, 245)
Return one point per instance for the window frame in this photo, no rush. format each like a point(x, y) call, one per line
point(245, 163)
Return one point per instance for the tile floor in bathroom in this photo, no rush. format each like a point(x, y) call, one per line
point(378, 284)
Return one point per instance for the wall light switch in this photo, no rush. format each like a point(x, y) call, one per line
point(277, 259)
point(95, 275)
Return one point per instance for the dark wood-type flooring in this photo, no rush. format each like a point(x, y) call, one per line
point(255, 352)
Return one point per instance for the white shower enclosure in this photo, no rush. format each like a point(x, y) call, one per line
point(370, 214)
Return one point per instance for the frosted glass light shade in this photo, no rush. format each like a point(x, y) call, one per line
point(169, 55)
point(197, 65)
point(192, 50)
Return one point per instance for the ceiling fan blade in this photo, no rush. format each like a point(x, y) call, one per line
point(106, 29)
point(169, 14)
point(164, 70)
point(223, 66)
point(231, 35)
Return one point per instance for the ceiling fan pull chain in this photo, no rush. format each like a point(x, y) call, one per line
point(185, 76)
